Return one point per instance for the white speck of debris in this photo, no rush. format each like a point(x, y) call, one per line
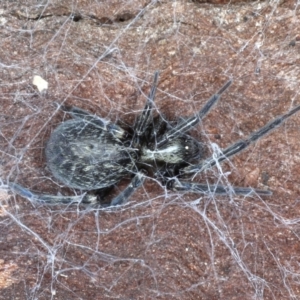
point(40, 83)
point(2, 21)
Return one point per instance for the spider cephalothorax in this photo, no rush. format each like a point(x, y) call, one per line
point(93, 154)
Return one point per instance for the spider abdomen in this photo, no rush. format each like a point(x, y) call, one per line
point(81, 155)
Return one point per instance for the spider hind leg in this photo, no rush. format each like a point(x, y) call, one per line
point(89, 198)
point(50, 199)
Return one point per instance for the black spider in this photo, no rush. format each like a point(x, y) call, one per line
point(92, 154)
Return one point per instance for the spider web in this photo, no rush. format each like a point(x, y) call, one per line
point(101, 56)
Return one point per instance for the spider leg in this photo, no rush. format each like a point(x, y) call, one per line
point(135, 183)
point(101, 123)
point(90, 199)
point(76, 112)
point(50, 199)
point(159, 124)
point(198, 188)
point(145, 118)
point(240, 145)
point(192, 121)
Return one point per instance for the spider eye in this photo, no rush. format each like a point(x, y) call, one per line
point(192, 149)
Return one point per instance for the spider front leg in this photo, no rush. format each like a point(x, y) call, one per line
point(192, 121)
point(205, 189)
point(142, 122)
point(239, 145)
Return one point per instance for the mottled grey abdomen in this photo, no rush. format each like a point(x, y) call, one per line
point(82, 155)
